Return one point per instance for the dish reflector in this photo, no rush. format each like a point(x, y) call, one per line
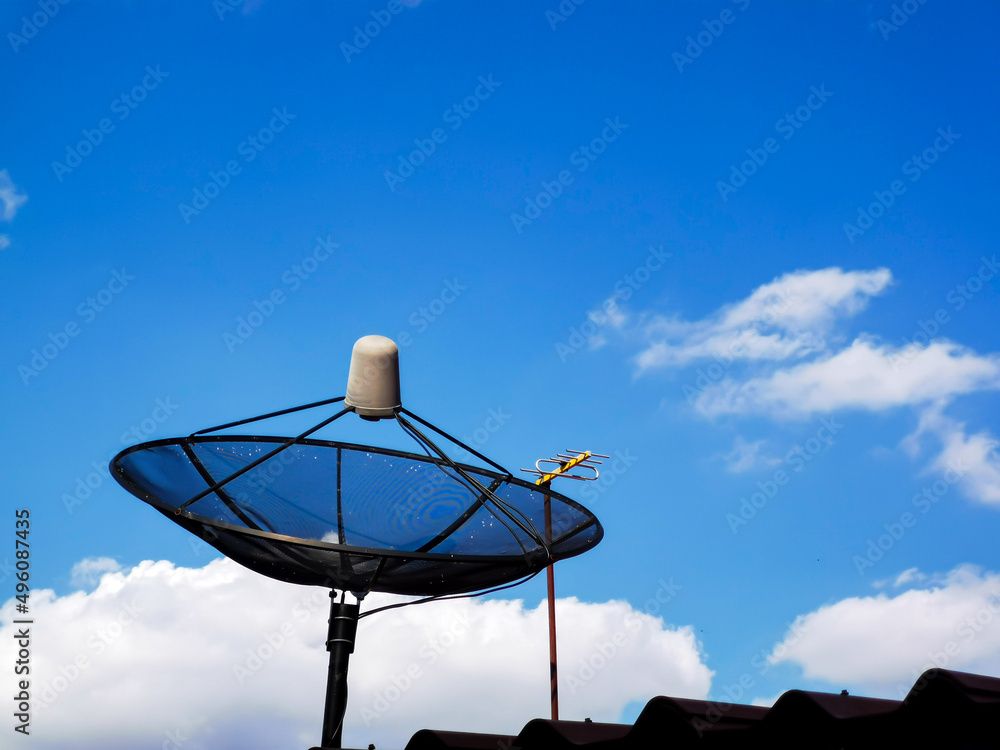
point(354, 517)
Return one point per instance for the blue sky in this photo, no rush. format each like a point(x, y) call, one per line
point(746, 248)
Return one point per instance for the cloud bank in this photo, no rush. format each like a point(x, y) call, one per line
point(218, 656)
point(777, 354)
point(787, 318)
point(882, 643)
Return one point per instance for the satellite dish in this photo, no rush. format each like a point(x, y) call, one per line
point(358, 518)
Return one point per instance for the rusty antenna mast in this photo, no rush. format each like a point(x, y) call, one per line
point(561, 466)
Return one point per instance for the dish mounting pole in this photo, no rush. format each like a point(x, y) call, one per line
point(340, 644)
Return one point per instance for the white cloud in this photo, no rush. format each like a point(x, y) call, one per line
point(882, 643)
point(608, 315)
point(781, 330)
point(910, 575)
point(88, 571)
point(746, 456)
point(226, 657)
point(978, 459)
point(12, 199)
point(973, 458)
point(866, 375)
point(788, 317)
point(907, 576)
point(4, 241)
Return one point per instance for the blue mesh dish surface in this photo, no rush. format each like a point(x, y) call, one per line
point(354, 517)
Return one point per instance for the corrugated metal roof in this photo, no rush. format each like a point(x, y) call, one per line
point(943, 709)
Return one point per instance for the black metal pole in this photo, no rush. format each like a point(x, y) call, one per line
point(340, 644)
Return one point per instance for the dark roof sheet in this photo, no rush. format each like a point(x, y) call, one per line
point(943, 709)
